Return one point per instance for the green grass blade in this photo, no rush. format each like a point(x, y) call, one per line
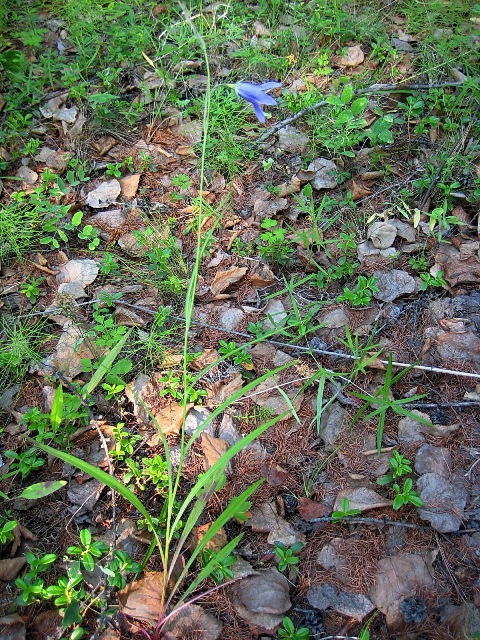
point(102, 476)
point(104, 367)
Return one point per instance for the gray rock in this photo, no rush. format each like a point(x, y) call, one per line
point(137, 392)
point(82, 272)
point(401, 45)
point(331, 425)
point(325, 173)
point(73, 289)
point(262, 599)
point(7, 397)
point(195, 418)
point(366, 249)
point(268, 208)
point(112, 218)
point(393, 284)
point(230, 318)
point(404, 230)
point(105, 194)
point(430, 459)
point(443, 502)
point(57, 160)
point(277, 313)
point(382, 234)
point(292, 140)
point(410, 430)
point(27, 175)
point(326, 596)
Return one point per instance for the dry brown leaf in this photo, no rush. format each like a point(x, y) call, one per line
point(129, 185)
point(459, 266)
point(309, 509)
point(169, 420)
point(225, 279)
point(213, 449)
point(208, 357)
point(18, 533)
point(217, 543)
point(142, 599)
point(192, 622)
point(9, 568)
point(359, 190)
point(186, 150)
point(265, 519)
point(220, 391)
point(274, 474)
point(361, 498)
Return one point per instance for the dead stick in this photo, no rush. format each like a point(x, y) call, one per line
point(374, 88)
point(285, 345)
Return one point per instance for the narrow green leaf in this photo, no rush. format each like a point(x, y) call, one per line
point(347, 94)
point(42, 489)
point(104, 477)
point(105, 366)
point(56, 414)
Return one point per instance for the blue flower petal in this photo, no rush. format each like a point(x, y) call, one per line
point(255, 94)
point(269, 85)
point(258, 112)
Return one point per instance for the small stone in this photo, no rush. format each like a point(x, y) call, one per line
point(331, 425)
point(325, 173)
point(292, 140)
point(26, 174)
point(401, 45)
point(411, 430)
point(112, 218)
point(268, 208)
point(326, 596)
point(393, 284)
point(194, 420)
point(82, 272)
point(128, 317)
point(382, 234)
point(276, 314)
point(72, 289)
point(230, 318)
point(57, 160)
point(443, 502)
point(105, 194)
point(404, 230)
point(129, 243)
point(430, 459)
point(366, 249)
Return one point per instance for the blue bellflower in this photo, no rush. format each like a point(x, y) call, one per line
point(255, 93)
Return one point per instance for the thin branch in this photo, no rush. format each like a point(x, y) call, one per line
point(286, 345)
point(384, 521)
point(374, 88)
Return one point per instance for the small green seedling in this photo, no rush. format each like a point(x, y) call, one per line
point(221, 570)
point(89, 550)
point(239, 355)
point(30, 289)
point(345, 511)
point(405, 495)
point(399, 466)
point(288, 631)
point(287, 556)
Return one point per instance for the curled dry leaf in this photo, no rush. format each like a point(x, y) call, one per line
point(193, 622)
point(225, 279)
point(12, 628)
point(9, 568)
